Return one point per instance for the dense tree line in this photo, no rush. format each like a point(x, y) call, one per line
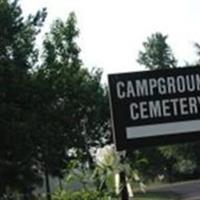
point(18, 161)
point(52, 111)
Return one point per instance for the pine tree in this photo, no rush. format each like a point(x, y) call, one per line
point(17, 56)
point(157, 53)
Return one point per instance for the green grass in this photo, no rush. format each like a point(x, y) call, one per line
point(156, 196)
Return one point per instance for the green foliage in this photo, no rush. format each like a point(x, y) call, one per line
point(175, 162)
point(197, 47)
point(167, 160)
point(17, 36)
point(78, 195)
point(101, 182)
point(18, 169)
point(46, 110)
point(77, 94)
point(157, 54)
point(93, 184)
point(70, 103)
point(149, 162)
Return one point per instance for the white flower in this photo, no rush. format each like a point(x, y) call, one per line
point(136, 177)
point(107, 157)
point(161, 177)
point(142, 187)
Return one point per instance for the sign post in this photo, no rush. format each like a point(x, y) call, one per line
point(155, 107)
point(124, 191)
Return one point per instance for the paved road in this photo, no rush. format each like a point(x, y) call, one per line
point(187, 190)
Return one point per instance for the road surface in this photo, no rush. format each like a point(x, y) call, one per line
point(187, 190)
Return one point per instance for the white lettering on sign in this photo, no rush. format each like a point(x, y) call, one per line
point(130, 90)
point(154, 109)
point(152, 85)
point(165, 108)
point(190, 83)
point(160, 86)
point(133, 111)
point(171, 85)
point(141, 87)
point(180, 84)
point(160, 89)
point(120, 91)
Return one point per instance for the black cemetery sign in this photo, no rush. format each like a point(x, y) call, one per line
point(155, 107)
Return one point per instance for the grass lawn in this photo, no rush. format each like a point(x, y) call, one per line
point(156, 196)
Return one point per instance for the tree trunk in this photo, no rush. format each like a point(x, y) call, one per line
point(26, 194)
point(60, 183)
point(48, 189)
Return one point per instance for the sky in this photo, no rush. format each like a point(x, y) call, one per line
point(112, 31)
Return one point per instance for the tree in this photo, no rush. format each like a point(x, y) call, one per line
point(79, 92)
point(17, 57)
point(48, 114)
point(72, 101)
point(178, 161)
point(157, 53)
point(197, 47)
